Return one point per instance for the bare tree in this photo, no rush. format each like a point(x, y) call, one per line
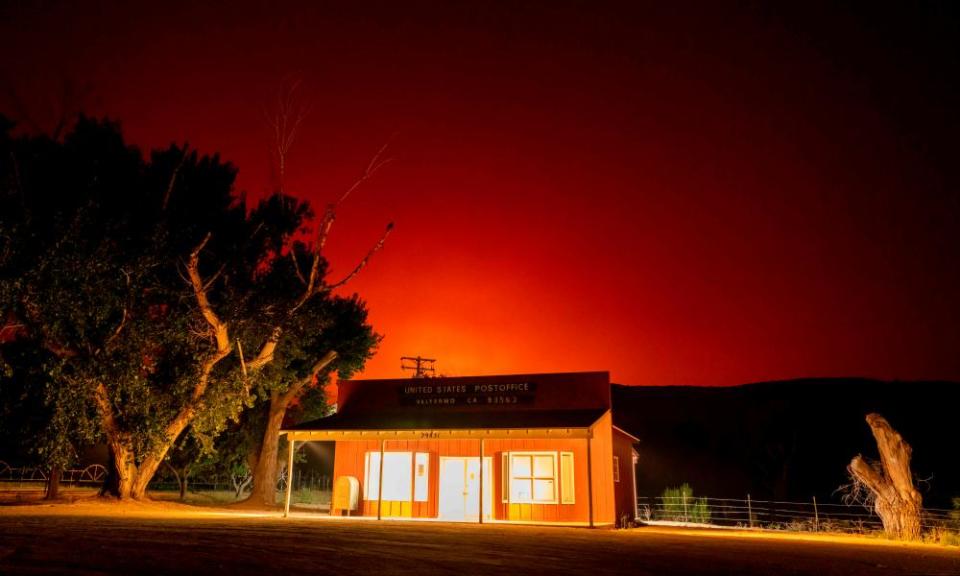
point(284, 124)
point(887, 486)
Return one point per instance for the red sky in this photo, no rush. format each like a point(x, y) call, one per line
point(688, 195)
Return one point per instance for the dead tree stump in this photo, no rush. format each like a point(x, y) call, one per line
point(890, 485)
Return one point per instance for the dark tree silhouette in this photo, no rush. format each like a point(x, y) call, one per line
point(147, 280)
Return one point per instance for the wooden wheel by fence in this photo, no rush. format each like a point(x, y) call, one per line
point(93, 473)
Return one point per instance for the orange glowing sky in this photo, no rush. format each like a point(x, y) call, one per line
point(678, 196)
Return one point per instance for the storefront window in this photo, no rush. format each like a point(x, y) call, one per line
point(402, 481)
point(533, 477)
point(397, 476)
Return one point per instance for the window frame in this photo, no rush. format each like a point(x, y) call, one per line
point(371, 476)
point(421, 482)
point(616, 469)
point(568, 493)
point(554, 456)
point(505, 477)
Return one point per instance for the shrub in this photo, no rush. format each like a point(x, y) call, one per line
point(679, 505)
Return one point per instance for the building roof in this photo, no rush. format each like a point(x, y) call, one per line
point(455, 420)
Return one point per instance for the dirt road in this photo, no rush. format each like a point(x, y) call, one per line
point(37, 540)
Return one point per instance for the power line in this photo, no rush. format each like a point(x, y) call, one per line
point(421, 367)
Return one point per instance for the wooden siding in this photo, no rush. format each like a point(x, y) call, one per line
point(601, 464)
point(624, 493)
point(350, 456)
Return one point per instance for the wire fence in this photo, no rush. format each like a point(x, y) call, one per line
point(811, 516)
point(302, 481)
point(92, 475)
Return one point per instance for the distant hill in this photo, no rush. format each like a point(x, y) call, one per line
point(787, 440)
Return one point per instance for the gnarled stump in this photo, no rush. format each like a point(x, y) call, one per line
point(896, 499)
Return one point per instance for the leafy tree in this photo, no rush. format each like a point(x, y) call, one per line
point(147, 280)
point(333, 336)
point(75, 261)
point(37, 421)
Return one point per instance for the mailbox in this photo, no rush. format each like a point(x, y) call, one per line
point(346, 494)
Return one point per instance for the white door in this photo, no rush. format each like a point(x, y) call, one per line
point(473, 488)
point(453, 490)
point(460, 489)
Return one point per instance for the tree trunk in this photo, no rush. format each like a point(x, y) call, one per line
point(121, 471)
point(897, 500)
point(240, 484)
point(151, 463)
point(183, 484)
point(148, 468)
point(181, 477)
point(265, 472)
point(53, 483)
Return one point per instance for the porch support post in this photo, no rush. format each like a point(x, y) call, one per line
point(590, 480)
point(481, 481)
point(286, 502)
point(380, 484)
point(633, 483)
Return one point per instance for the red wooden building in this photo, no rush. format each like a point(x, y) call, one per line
point(536, 448)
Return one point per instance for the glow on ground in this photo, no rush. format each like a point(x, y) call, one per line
point(159, 509)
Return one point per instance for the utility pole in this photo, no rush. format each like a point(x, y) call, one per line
point(421, 367)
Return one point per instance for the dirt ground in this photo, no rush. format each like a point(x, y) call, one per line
point(166, 538)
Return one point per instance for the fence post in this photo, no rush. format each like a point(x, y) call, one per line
point(816, 516)
point(749, 511)
point(683, 495)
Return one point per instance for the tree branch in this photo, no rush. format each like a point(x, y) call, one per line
point(173, 178)
point(360, 266)
point(218, 327)
point(313, 282)
point(119, 329)
point(376, 163)
point(285, 122)
point(296, 267)
point(323, 231)
point(894, 453)
point(865, 473)
point(107, 414)
point(123, 318)
point(294, 390)
point(265, 356)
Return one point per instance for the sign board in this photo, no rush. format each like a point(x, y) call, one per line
point(441, 393)
point(522, 392)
